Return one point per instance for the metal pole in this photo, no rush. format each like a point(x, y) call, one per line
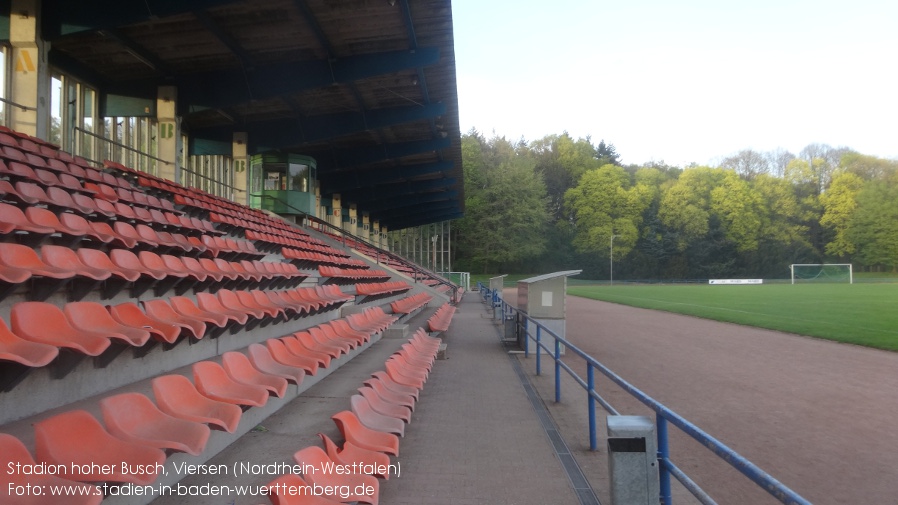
point(557, 370)
point(663, 455)
point(538, 345)
point(611, 257)
point(591, 403)
point(527, 340)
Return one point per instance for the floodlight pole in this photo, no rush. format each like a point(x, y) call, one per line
point(611, 257)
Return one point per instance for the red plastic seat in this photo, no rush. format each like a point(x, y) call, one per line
point(324, 341)
point(134, 418)
point(186, 307)
point(262, 359)
point(383, 406)
point(98, 259)
point(352, 454)
point(161, 310)
point(77, 438)
point(91, 316)
point(390, 395)
point(239, 368)
point(298, 348)
point(212, 381)
point(176, 396)
point(315, 457)
point(282, 355)
point(32, 354)
point(391, 384)
point(211, 303)
point(45, 323)
point(129, 314)
point(373, 419)
point(230, 300)
point(66, 259)
point(12, 452)
point(354, 431)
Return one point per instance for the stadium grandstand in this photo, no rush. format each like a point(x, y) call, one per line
point(206, 210)
point(225, 272)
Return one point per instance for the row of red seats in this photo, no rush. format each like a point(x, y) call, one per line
point(440, 320)
point(382, 288)
point(409, 304)
point(275, 242)
point(38, 328)
point(123, 269)
point(370, 430)
point(335, 275)
point(309, 260)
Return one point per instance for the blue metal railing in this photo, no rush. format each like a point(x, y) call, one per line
point(663, 415)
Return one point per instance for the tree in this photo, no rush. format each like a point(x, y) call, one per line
point(868, 167)
point(747, 163)
point(561, 161)
point(604, 203)
point(739, 209)
point(685, 205)
point(505, 205)
point(873, 227)
point(839, 205)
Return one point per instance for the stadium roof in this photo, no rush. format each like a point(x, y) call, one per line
point(366, 87)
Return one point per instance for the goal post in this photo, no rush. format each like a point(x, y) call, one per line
point(822, 272)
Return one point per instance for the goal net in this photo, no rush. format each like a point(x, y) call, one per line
point(822, 272)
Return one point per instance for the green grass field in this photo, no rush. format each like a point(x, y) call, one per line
point(862, 314)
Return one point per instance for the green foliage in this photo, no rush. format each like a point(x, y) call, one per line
point(605, 203)
point(505, 207)
point(839, 206)
point(873, 227)
point(554, 204)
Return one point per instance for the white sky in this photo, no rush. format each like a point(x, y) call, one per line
point(682, 81)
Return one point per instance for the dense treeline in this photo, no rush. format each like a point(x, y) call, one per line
point(555, 203)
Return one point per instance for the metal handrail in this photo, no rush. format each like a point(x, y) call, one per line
point(663, 414)
point(14, 104)
point(343, 233)
point(119, 144)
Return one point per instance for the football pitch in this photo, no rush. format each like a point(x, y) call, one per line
point(862, 314)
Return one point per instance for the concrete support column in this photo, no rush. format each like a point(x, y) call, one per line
point(30, 81)
point(353, 225)
point(336, 216)
point(384, 243)
point(366, 226)
point(169, 137)
point(241, 165)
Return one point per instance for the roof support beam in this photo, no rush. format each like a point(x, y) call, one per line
point(288, 133)
point(395, 190)
point(342, 181)
point(418, 220)
point(421, 209)
point(228, 88)
point(410, 202)
point(348, 158)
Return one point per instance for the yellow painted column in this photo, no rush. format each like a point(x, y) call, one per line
point(241, 167)
point(365, 230)
point(352, 225)
point(169, 131)
point(30, 80)
point(384, 243)
point(336, 216)
point(375, 233)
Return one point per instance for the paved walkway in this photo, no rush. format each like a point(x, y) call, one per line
point(474, 437)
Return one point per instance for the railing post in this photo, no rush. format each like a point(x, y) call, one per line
point(526, 336)
point(539, 332)
point(557, 370)
point(663, 457)
point(591, 402)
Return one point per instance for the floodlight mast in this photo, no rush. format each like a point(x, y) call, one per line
point(611, 257)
